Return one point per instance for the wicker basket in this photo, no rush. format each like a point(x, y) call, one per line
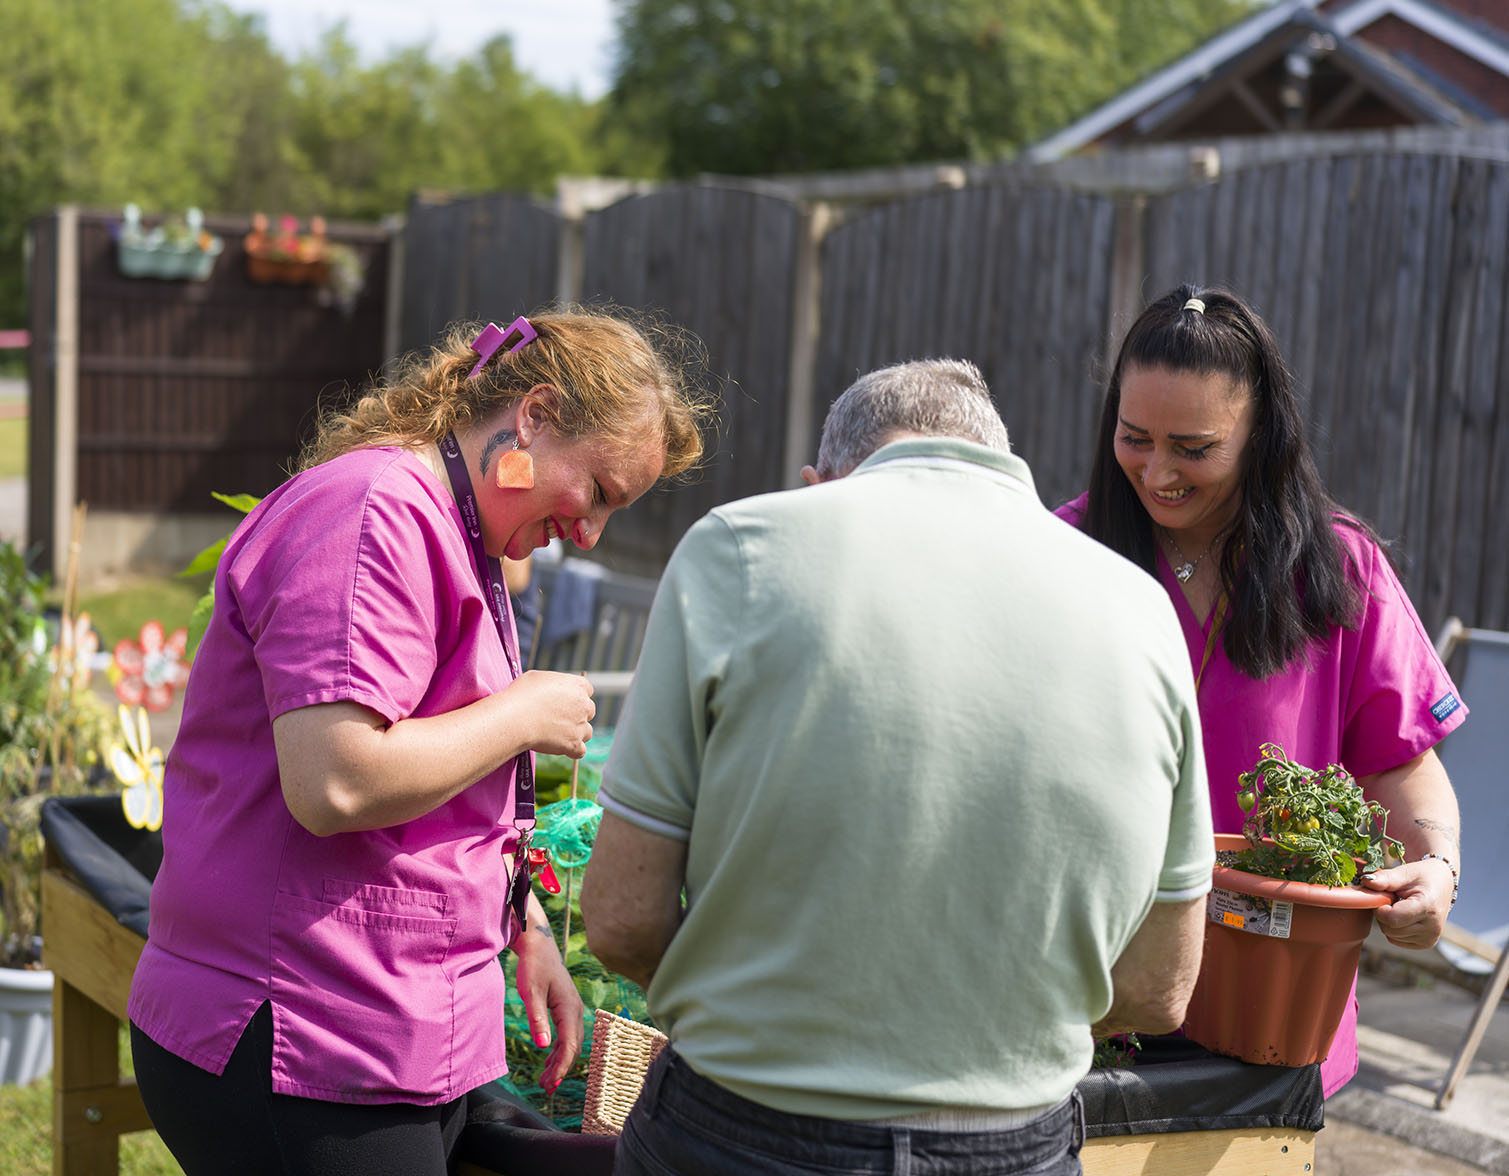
point(622, 1051)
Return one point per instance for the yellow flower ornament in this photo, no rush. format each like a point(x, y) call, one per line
point(138, 766)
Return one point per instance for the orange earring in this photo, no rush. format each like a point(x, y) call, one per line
point(515, 470)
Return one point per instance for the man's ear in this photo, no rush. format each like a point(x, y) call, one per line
point(809, 475)
point(536, 409)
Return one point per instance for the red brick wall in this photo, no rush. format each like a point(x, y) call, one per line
point(1467, 74)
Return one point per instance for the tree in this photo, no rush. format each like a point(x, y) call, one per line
point(770, 86)
point(105, 101)
point(178, 103)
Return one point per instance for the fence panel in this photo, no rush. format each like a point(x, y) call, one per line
point(1383, 278)
point(489, 258)
point(721, 263)
point(187, 387)
point(1015, 280)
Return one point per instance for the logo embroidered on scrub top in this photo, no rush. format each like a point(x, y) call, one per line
point(1444, 706)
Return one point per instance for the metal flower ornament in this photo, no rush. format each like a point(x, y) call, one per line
point(138, 766)
point(147, 671)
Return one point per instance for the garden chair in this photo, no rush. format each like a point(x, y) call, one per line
point(592, 621)
point(1476, 938)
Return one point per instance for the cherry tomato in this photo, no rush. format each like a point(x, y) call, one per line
point(1284, 814)
point(1246, 800)
point(1312, 825)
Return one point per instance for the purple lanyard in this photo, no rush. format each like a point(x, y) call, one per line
point(490, 576)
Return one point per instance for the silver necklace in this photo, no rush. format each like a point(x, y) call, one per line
point(1184, 570)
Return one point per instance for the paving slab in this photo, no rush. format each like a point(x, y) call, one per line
point(1411, 1022)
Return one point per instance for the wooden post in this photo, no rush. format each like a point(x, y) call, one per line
point(92, 958)
point(806, 314)
point(65, 461)
point(392, 327)
point(571, 257)
point(1128, 270)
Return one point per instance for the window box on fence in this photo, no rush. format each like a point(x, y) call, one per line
point(288, 257)
point(179, 248)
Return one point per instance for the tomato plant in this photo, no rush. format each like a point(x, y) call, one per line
point(1318, 825)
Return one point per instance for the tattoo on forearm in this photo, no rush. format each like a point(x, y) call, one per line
point(543, 929)
point(1448, 831)
point(497, 441)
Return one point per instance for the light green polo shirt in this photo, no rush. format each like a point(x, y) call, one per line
point(934, 755)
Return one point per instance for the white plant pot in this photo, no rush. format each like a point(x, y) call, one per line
point(25, 1025)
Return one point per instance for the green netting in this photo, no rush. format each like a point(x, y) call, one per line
point(566, 829)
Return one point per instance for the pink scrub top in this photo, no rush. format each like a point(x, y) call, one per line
point(1370, 698)
point(377, 950)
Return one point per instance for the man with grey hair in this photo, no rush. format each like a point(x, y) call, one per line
point(938, 398)
point(907, 802)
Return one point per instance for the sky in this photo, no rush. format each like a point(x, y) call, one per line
point(564, 44)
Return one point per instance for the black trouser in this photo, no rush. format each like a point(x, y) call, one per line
point(235, 1124)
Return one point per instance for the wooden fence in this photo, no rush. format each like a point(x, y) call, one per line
point(1382, 273)
point(1381, 269)
point(147, 395)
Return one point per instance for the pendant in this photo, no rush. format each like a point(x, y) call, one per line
point(1184, 571)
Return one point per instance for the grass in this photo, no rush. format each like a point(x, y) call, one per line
point(12, 447)
point(119, 610)
point(26, 1132)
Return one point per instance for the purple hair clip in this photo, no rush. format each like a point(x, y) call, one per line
point(518, 333)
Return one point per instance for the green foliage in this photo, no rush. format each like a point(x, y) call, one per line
point(1116, 1052)
point(204, 564)
point(761, 86)
point(1319, 826)
point(53, 732)
point(179, 103)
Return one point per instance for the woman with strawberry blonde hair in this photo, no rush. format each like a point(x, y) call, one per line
point(349, 799)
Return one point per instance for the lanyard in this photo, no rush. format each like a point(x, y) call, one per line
point(1217, 619)
point(489, 571)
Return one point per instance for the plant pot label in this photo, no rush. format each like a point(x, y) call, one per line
point(1246, 912)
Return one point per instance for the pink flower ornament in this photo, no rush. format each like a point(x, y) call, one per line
point(146, 672)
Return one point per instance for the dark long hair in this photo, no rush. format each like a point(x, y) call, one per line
point(1282, 567)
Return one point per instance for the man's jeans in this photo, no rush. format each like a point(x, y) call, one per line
point(687, 1125)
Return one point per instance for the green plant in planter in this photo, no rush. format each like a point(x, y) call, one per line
point(53, 732)
point(1310, 825)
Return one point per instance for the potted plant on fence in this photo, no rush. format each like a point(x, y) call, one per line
point(1286, 920)
point(284, 256)
point(179, 247)
point(53, 732)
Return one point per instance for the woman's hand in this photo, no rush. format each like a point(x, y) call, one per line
point(1423, 815)
point(549, 995)
point(561, 710)
point(1422, 900)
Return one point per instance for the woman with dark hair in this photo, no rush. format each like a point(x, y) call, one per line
point(349, 799)
point(1299, 631)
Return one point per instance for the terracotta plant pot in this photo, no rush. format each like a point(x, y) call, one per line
point(286, 271)
point(1268, 997)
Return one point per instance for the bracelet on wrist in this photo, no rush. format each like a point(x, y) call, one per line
point(1450, 865)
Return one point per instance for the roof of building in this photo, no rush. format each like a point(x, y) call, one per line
point(1295, 33)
